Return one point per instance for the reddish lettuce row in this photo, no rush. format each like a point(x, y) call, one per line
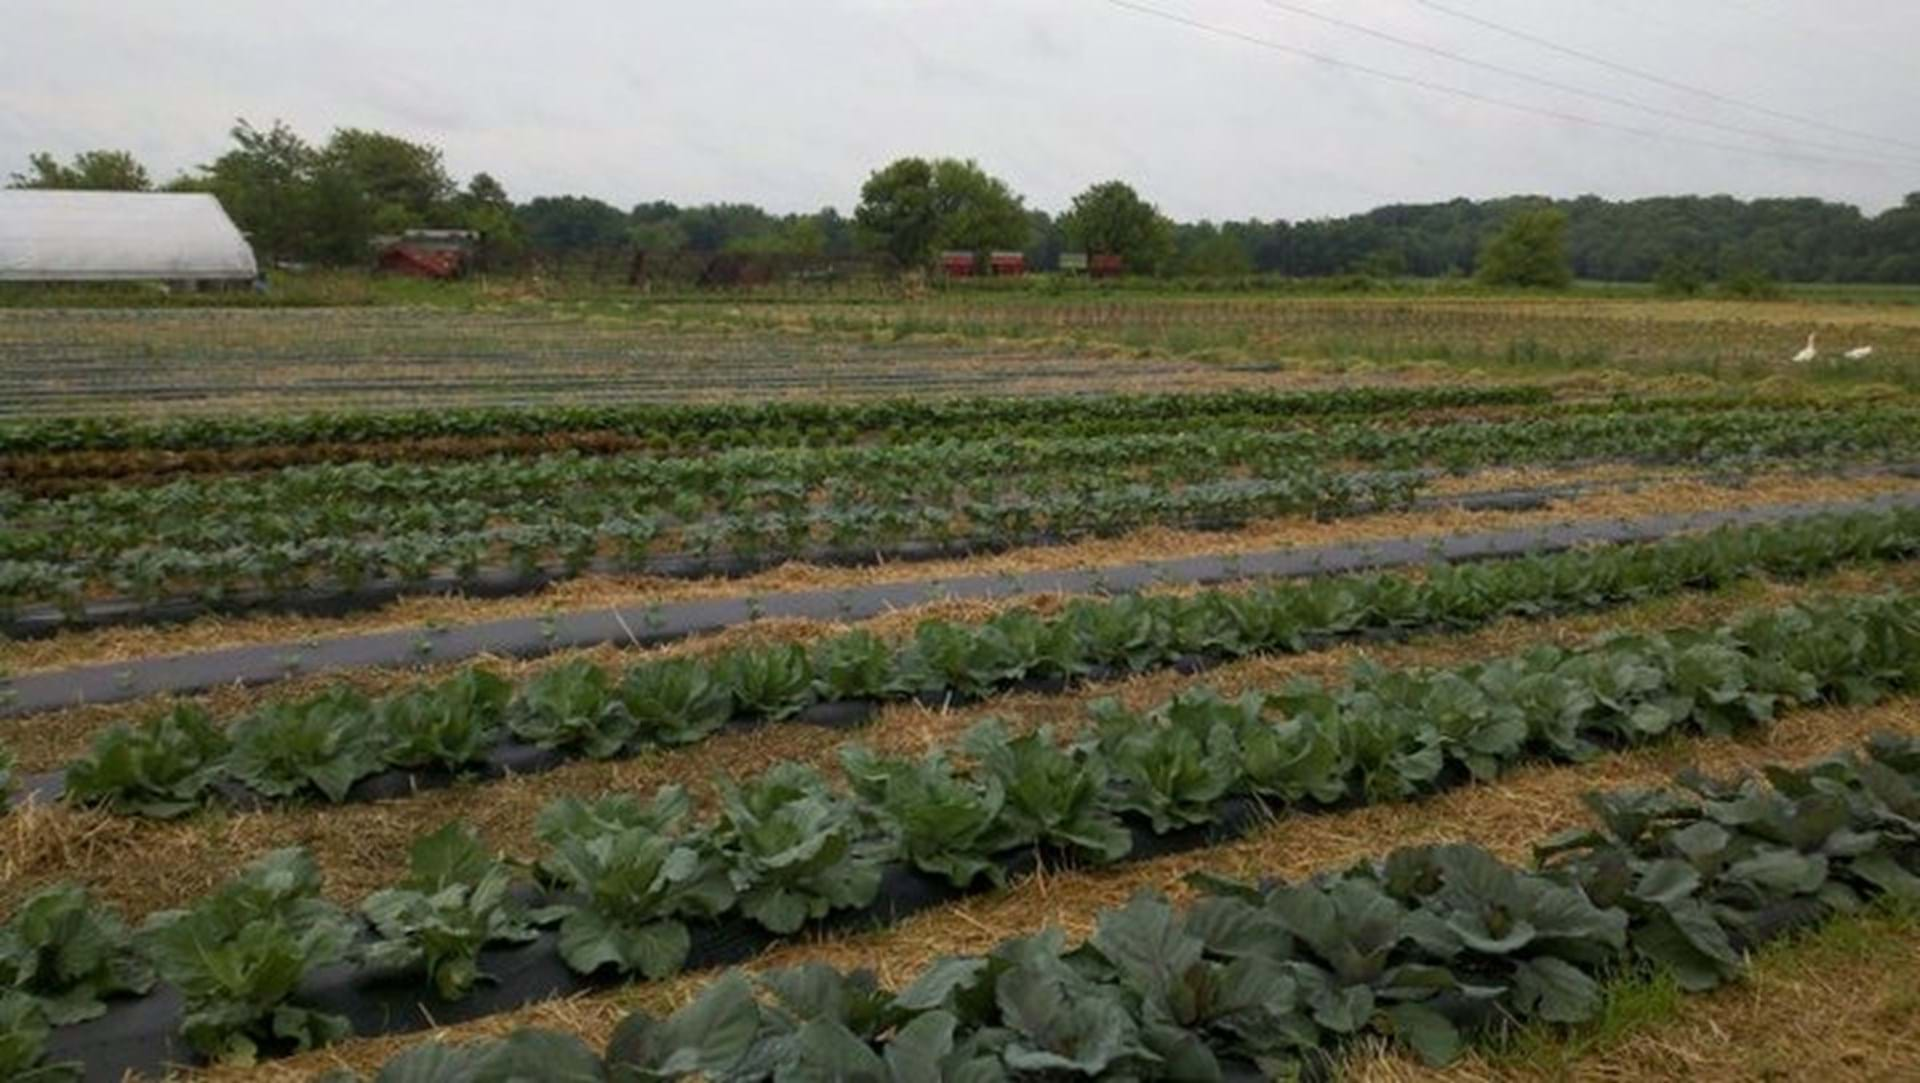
point(1425, 948)
point(325, 744)
point(694, 424)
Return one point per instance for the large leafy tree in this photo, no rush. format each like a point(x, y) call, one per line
point(572, 223)
point(915, 207)
point(405, 182)
point(1110, 218)
point(267, 182)
point(1530, 250)
point(102, 170)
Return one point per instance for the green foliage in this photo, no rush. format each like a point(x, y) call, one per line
point(1680, 276)
point(1054, 796)
point(92, 170)
point(453, 902)
point(914, 207)
point(677, 700)
point(574, 706)
point(1111, 219)
point(1529, 251)
point(326, 743)
point(794, 849)
point(854, 666)
point(638, 881)
point(240, 952)
point(161, 768)
point(452, 725)
point(773, 682)
point(1750, 283)
point(68, 955)
point(23, 1044)
point(938, 820)
point(1173, 768)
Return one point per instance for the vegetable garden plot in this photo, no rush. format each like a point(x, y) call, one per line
point(475, 725)
point(522, 637)
point(1263, 980)
point(338, 528)
point(1388, 736)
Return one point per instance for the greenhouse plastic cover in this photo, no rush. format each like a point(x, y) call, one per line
point(59, 236)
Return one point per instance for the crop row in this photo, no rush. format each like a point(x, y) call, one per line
point(1425, 948)
point(696, 425)
point(323, 745)
point(346, 499)
point(630, 884)
point(277, 570)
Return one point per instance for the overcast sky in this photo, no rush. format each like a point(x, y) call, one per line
point(790, 103)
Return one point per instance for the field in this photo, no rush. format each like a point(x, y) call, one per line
point(968, 686)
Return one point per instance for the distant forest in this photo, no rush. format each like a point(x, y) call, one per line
point(321, 203)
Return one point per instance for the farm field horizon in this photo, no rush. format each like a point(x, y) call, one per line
point(977, 685)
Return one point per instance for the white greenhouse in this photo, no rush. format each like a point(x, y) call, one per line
point(60, 236)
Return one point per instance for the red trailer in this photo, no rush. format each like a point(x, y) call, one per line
point(958, 264)
point(1106, 265)
point(1008, 264)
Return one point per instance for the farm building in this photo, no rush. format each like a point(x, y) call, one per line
point(426, 253)
point(61, 236)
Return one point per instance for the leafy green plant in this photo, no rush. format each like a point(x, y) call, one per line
point(1174, 767)
point(794, 849)
point(1054, 797)
point(967, 662)
point(451, 725)
point(23, 1044)
point(636, 887)
point(943, 823)
point(453, 903)
point(69, 954)
point(573, 706)
point(326, 743)
point(161, 768)
point(240, 952)
point(773, 682)
point(676, 701)
point(854, 666)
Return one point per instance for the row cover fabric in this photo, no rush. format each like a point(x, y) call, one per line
point(61, 236)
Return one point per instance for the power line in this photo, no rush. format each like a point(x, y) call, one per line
point(1475, 96)
point(1661, 80)
point(1551, 84)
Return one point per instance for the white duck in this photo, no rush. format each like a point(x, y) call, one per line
point(1859, 353)
point(1808, 352)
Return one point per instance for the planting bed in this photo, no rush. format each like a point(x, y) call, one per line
point(230, 856)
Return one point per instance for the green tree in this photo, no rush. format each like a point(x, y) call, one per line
point(1110, 218)
point(914, 207)
point(485, 208)
point(406, 182)
point(264, 182)
point(572, 223)
point(1530, 251)
point(1680, 275)
point(98, 170)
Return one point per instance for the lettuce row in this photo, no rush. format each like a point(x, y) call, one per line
point(1425, 948)
point(320, 746)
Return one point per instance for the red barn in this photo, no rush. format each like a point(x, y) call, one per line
point(1008, 264)
point(1106, 265)
point(958, 264)
point(426, 253)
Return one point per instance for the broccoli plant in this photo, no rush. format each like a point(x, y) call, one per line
point(794, 849)
point(69, 954)
point(769, 682)
point(676, 701)
point(240, 952)
point(1173, 769)
point(1054, 796)
point(637, 886)
point(326, 743)
point(452, 725)
point(855, 666)
point(453, 903)
point(573, 706)
point(23, 1044)
point(161, 768)
point(943, 823)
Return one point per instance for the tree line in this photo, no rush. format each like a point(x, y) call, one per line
point(321, 202)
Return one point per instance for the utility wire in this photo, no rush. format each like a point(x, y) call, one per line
point(1475, 96)
point(1661, 80)
point(1551, 84)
